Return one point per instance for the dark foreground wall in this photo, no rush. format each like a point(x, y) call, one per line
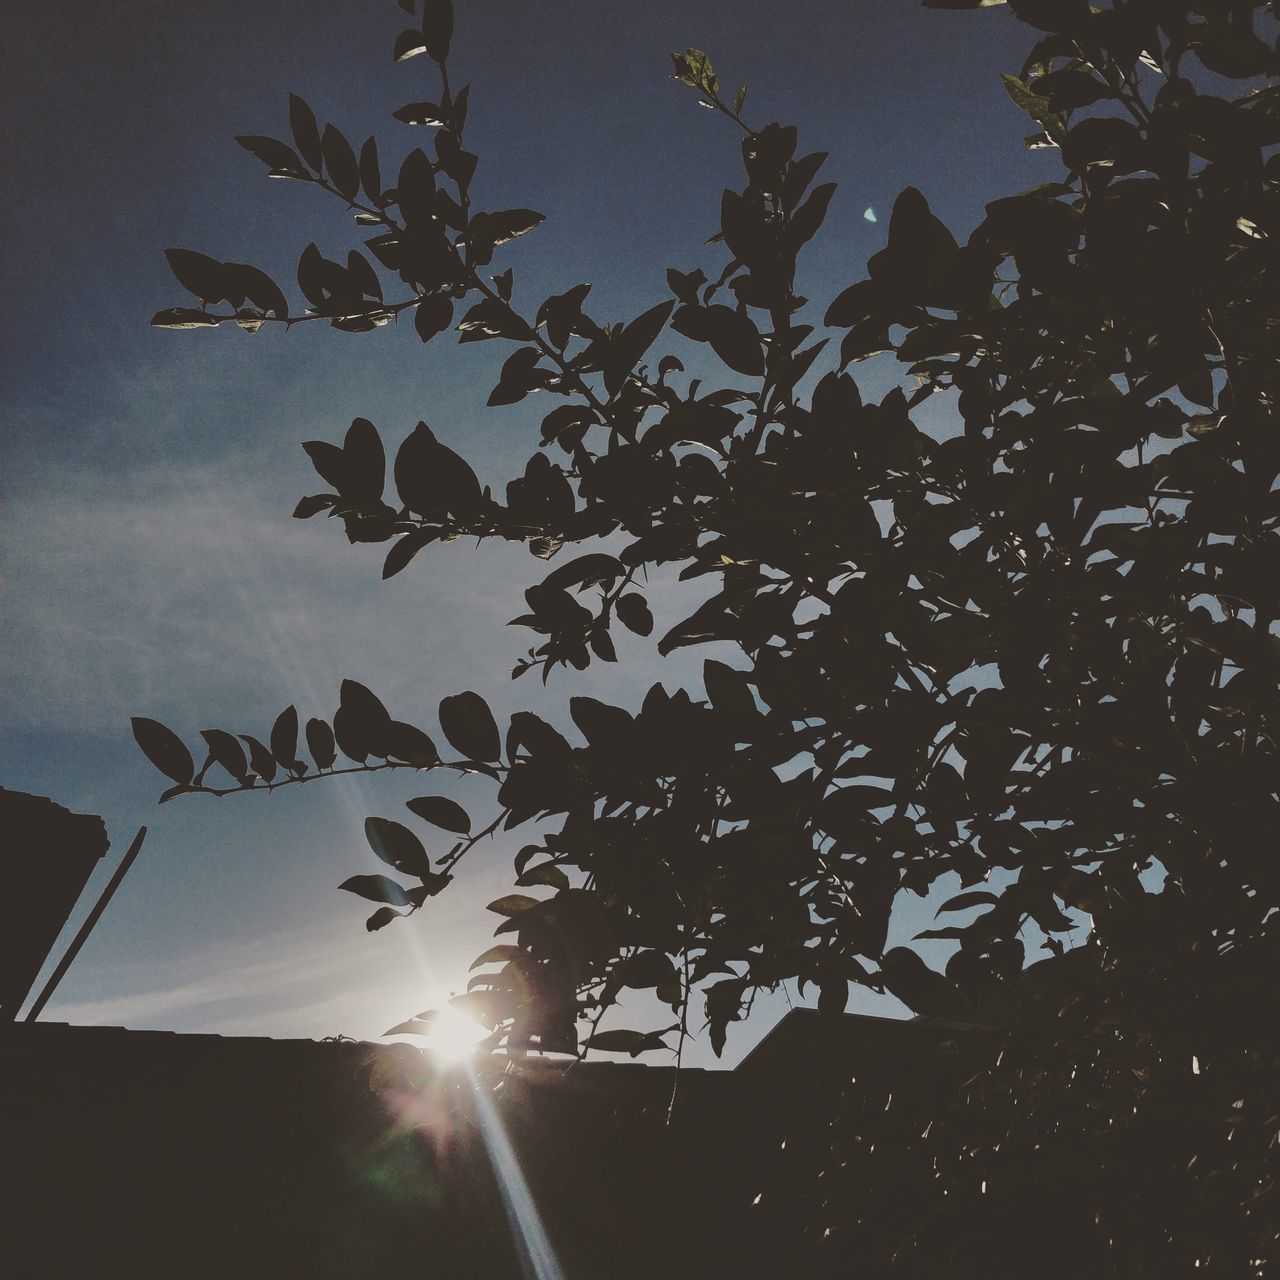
point(148, 1154)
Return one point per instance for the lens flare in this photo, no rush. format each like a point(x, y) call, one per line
point(537, 1258)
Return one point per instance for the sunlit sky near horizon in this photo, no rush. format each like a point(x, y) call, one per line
point(150, 564)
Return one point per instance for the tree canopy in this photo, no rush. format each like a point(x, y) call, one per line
point(1031, 655)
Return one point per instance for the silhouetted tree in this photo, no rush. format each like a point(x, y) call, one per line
point(1039, 654)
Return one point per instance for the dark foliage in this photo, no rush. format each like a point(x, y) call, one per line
point(1037, 655)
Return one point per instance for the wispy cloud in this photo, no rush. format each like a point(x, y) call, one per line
point(299, 984)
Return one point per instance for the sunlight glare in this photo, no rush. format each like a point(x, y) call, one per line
point(453, 1036)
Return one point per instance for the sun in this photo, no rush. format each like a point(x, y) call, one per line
point(453, 1036)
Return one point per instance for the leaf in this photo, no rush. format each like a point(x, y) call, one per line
point(441, 812)
point(502, 953)
point(227, 751)
point(630, 1042)
point(278, 156)
point(397, 846)
point(312, 273)
point(809, 217)
point(306, 133)
point(547, 873)
point(261, 761)
point(1070, 89)
point(963, 901)
point(636, 338)
point(508, 225)
point(409, 743)
point(432, 480)
point(735, 339)
point(381, 918)
point(437, 27)
point(433, 315)
point(586, 570)
point(425, 113)
point(340, 163)
point(258, 287)
point(1020, 95)
point(408, 44)
point(361, 722)
point(416, 190)
point(469, 725)
point(164, 749)
point(404, 549)
point(364, 463)
point(739, 97)
point(320, 743)
point(512, 904)
point(370, 171)
point(633, 613)
point(198, 273)
point(377, 889)
point(182, 318)
point(420, 1026)
point(284, 738)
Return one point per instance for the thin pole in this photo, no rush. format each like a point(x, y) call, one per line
point(87, 928)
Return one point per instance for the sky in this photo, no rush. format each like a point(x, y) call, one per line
point(149, 562)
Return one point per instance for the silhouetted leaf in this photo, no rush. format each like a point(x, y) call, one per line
point(633, 613)
point(731, 334)
point(340, 162)
point(432, 480)
point(376, 889)
point(371, 172)
point(404, 549)
point(408, 44)
point(397, 846)
point(198, 273)
point(164, 749)
point(810, 216)
point(261, 760)
point(548, 873)
point(227, 751)
point(437, 27)
point(512, 904)
point(308, 507)
point(629, 1042)
point(501, 953)
point(469, 725)
point(593, 568)
point(409, 743)
point(257, 287)
point(381, 918)
point(441, 812)
point(361, 722)
point(963, 901)
point(364, 463)
point(320, 743)
point(182, 318)
point(329, 461)
point(416, 189)
point(280, 158)
point(284, 738)
point(428, 113)
point(306, 133)
point(631, 344)
point(432, 316)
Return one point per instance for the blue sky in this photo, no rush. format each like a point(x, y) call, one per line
point(150, 565)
